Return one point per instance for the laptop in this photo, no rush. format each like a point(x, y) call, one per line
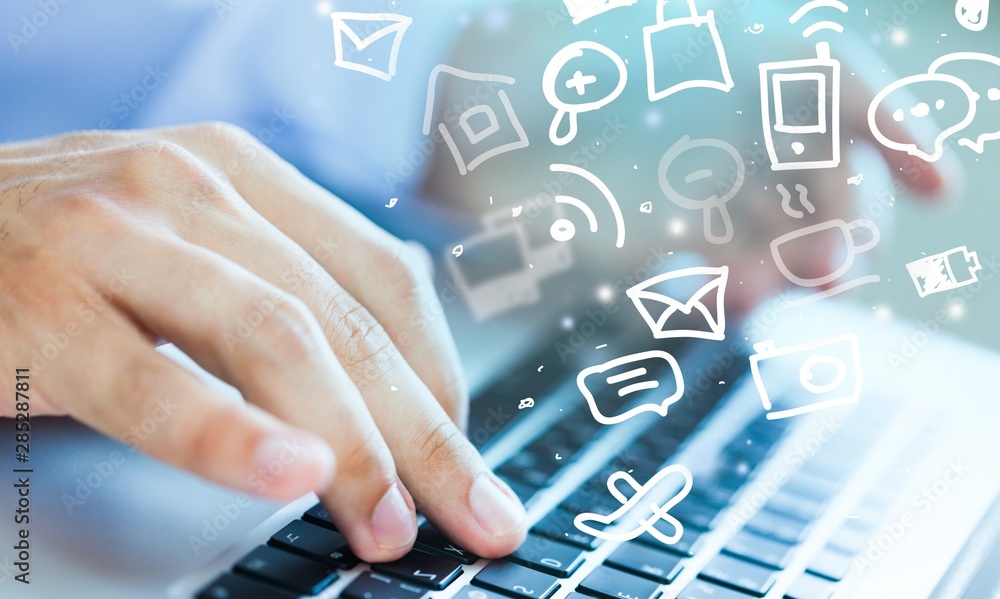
point(754, 481)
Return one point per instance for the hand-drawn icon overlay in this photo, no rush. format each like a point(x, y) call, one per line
point(684, 303)
point(610, 401)
point(482, 131)
point(899, 102)
point(829, 375)
point(985, 83)
point(648, 502)
point(809, 7)
point(786, 201)
point(581, 10)
point(658, 39)
point(563, 229)
point(945, 271)
point(973, 14)
point(717, 189)
point(568, 107)
point(755, 29)
point(844, 244)
point(799, 136)
point(375, 39)
point(503, 265)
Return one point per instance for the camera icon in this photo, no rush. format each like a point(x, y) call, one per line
point(807, 377)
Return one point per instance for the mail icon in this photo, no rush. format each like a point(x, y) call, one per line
point(676, 304)
point(373, 41)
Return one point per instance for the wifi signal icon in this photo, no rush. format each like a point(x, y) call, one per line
point(564, 229)
point(808, 7)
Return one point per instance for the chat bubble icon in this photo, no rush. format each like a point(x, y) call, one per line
point(982, 73)
point(916, 103)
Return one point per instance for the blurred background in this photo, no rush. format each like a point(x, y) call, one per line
point(271, 69)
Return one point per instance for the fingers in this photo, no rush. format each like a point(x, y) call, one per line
point(435, 462)
point(385, 275)
point(122, 387)
point(268, 344)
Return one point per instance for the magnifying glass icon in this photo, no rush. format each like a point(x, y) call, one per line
point(579, 81)
point(718, 222)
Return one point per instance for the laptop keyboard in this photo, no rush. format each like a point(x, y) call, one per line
point(308, 555)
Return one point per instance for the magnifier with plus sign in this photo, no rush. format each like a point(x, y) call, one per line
point(563, 86)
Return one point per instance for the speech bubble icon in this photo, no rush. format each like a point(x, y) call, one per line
point(898, 105)
point(982, 73)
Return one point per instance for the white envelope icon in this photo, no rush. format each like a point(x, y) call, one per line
point(362, 31)
point(662, 312)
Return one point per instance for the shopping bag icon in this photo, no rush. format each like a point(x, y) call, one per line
point(666, 37)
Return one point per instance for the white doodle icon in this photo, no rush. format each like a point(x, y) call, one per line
point(360, 55)
point(712, 205)
point(670, 313)
point(809, 7)
point(645, 501)
point(755, 29)
point(581, 10)
point(603, 379)
point(945, 271)
point(671, 30)
point(856, 179)
point(801, 139)
point(786, 201)
point(986, 93)
point(563, 229)
point(392, 202)
point(829, 375)
point(646, 207)
point(846, 246)
point(577, 84)
point(483, 130)
point(973, 14)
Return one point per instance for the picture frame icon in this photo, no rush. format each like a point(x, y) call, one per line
point(485, 130)
point(828, 375)
point(358, 56)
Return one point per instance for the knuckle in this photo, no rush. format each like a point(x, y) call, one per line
point(223, 135)
point(286, 332)
point(202, 435)
point(442, 449)
point(360, 342)
point(366, 459)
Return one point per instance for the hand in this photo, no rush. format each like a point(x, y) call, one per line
point(113, 241)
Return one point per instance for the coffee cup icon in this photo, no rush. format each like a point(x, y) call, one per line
point(849, 238)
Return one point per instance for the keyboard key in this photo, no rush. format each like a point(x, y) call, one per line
point(778, 527)
point(529, 476)
point(687, 545)
point(430, 540)
point(647, 562)
point(795, 506)
point(850, 539)
point(229, 586)
point(755, 548)
point(469, 592)
point(701, 589)
point(514, 580)
point(320, 544)
point(740, 575)
point(546, 555)
point(810, 587)
point(808, 485)
point(830, 564)
point(421, 569)
point(615, 584)
point(376, 586)
point(317, 515)
point(285, 570)
point(696, 514)
point(558, 525)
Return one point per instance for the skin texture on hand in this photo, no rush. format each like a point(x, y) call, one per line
point(113, 242)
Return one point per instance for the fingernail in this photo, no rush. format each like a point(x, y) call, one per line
point(497, 512)
point(297, 458)
point(392, 522)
